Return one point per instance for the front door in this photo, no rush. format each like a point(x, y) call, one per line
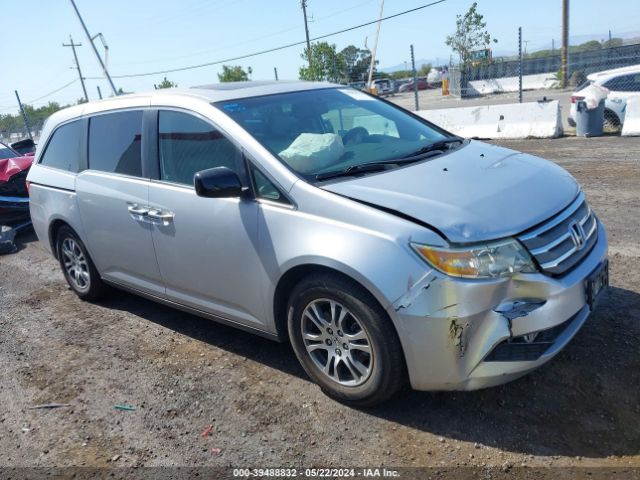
point(206, 247)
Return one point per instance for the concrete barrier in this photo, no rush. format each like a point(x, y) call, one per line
point(631, 125)
point(510, 84)
point(514, 120)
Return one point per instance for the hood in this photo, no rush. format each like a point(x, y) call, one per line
point(476, 193)
point(11, 166)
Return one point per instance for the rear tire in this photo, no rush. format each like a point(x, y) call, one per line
point(345, 341)
point(77, 266)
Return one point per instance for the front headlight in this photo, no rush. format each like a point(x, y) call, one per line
point(490, 260)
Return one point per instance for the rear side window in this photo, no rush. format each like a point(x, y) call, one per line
point(624, 83)
point(63, 149)
point(115, 143)
point(187, 145)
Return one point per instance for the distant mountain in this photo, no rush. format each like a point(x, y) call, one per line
point(437, 62)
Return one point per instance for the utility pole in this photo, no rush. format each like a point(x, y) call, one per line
point(375, 45)
point(275, 72)
point(24, 115)
point(75, 57)
point(564, 57)
point(306, 28)
point(95, 50)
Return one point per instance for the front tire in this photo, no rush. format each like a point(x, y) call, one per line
point(345, 341)
point(77, 266)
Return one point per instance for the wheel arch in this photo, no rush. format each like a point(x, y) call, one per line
point(295, 273)
point(54, 228)
point(612, 116)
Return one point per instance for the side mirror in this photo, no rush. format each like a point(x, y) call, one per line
point(219, 182)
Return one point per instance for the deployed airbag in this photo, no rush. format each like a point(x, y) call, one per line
point(311, 152)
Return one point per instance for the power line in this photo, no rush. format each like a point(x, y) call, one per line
point(55, 91)
point(282, 47)
point(244, 42)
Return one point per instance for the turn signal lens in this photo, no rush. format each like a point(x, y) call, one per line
point(491, 260)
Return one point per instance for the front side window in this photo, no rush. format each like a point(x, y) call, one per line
point(187, 145)
point(63, 149)
point(115, 143)
point(320, 131)
point(265, 188)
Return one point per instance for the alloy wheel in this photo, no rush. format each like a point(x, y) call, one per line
point(337, 342)
point(75, 264)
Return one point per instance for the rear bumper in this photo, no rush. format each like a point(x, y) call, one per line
point(460, 335)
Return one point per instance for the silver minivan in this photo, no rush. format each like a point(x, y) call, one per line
point(382, 247)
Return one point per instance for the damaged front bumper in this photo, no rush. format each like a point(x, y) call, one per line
point(463, 334)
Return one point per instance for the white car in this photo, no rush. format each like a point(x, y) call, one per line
point(622, 83)
point(383, 86)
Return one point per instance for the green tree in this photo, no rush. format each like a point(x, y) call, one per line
point(15, 123)
point(165, 84)
point(234, 73)
point(324, 63)
point(586, 46)
point(356, 62)
point(424, 70)
point(614, 42)
point(470, 34)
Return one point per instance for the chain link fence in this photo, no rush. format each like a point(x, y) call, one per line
point(14, 129)
point(544, 72)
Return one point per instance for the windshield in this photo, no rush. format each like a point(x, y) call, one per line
point(6, 152)
point(320, 131)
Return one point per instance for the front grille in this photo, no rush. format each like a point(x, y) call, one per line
point(518, 349)
point(561, 242)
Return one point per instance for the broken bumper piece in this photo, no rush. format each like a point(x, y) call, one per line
point(470, 334)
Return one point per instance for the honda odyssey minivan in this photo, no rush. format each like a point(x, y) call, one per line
point(385, 249)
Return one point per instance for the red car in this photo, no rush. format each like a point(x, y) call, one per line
point(14, 196)
point(409, 86)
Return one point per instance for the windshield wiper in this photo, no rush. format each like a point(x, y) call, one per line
point(379, 166)
point(354, 170)
point(439, 145)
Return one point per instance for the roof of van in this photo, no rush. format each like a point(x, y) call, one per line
point(215, 92)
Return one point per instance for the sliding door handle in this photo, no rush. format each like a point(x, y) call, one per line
point(160, 215)
point(137, 210)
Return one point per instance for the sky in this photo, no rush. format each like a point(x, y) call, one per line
point(152, 35)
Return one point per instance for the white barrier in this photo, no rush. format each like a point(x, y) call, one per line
point(510, 84)
point(631, 125)
point(514, 120)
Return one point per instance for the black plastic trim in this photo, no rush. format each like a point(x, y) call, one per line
point(149, 145)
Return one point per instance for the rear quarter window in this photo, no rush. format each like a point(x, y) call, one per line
point(115, 143)
point(63, 149)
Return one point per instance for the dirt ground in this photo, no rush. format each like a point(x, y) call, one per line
point(183, 373)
